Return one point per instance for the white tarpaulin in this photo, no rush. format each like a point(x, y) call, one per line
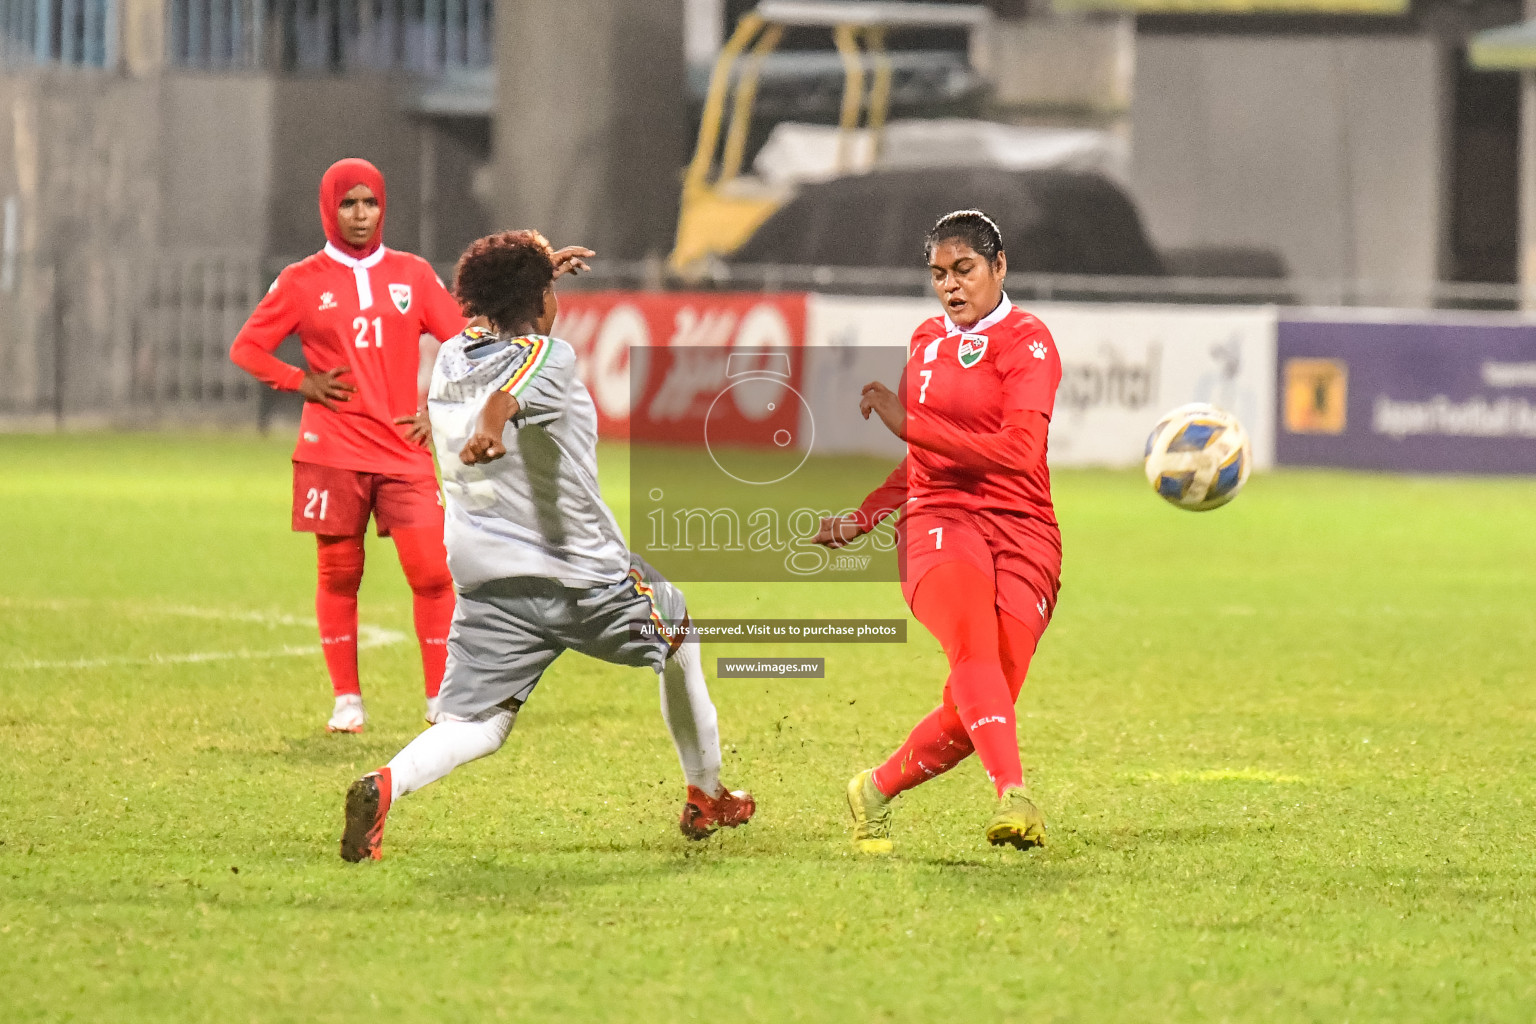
point(799, 153)
point(1122, 367)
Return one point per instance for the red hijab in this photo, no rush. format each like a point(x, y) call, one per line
point(342, 177)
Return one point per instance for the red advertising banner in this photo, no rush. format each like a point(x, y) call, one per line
point(690, 367)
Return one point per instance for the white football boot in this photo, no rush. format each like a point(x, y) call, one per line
point(348, 716)
point(434, 706)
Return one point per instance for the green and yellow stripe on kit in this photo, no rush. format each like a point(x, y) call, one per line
point(539, 348)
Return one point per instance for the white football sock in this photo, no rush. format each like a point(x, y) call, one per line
point(690, 716)
point(447, 745)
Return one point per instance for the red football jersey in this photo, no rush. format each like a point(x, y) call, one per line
point(978, 405)
point(367, 314)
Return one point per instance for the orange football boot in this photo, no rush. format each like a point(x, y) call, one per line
point(703, 814)
point(367, 805)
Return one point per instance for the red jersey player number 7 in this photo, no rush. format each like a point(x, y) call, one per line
point(978, 544)
point(361, 311)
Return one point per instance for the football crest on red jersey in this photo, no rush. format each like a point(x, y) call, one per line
point(972, 348)
point(400, 295)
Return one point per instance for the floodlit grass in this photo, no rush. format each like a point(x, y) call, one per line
point(1286, 750)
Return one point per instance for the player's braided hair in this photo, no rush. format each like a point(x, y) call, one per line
point(972, 227)
point(503, 277)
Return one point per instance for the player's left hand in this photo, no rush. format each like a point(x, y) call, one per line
point(419, 428)
point(482, 448)
point(882, 401)
point(572, 260)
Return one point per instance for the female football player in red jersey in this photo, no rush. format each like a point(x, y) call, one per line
point(978, 544)
point(360, 310)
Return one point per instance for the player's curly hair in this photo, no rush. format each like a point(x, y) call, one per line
point(503, 277)
point(972, 227)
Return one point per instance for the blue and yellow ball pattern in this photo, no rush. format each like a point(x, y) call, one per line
point(1198, 457)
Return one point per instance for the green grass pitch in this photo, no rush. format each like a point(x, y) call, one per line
point(1286, 749)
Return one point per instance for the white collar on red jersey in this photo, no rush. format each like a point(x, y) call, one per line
point(359, 270)
point(992, 319)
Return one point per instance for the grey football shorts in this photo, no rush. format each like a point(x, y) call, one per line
point(507, 632)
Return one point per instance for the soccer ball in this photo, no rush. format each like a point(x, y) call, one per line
point(1198, 457)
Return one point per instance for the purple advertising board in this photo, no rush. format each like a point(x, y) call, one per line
point(1417, 397)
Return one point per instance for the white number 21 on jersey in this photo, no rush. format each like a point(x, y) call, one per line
point(360, 325)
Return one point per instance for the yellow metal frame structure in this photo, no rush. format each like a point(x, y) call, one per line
point(718, 214)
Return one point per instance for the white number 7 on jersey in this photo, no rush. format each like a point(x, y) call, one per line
point(937, 533)
point(922, 392)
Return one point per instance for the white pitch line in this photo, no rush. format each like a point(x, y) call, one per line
point(367, 636)
point(134, 609)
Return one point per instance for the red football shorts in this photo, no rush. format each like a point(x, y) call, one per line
point(1020, 554)
point(337, 502)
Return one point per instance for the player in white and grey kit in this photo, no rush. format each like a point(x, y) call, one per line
point(536, 556)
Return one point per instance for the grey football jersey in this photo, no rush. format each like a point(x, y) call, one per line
point(536, 511)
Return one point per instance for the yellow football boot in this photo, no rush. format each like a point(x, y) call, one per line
point(1018, 822)
point(871, 815)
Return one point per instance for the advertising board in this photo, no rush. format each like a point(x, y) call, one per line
point(671, 389)
point(1122, 366)
point(1442, 397)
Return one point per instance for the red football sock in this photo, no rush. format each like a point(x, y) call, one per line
point(958, 605)
point(936, 745)
point(1016, 646)
point(939, 742)
point(341, 573)
point(425, 562)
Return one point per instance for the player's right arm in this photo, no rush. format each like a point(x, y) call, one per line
point(534, 387)
point(883, 501)
point(271, 322)
point(485, 444)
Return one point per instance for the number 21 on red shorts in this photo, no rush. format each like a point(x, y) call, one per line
point(338, 502)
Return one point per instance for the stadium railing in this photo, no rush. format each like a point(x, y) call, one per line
point(114, 339)
point(69, 32)
point(414, 36)
point(422, 37)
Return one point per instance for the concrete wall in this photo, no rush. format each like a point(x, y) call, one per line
point(590, 123)
point(78, 176)
point(458, 190)
point(1327, 149)
point(216, 162)
point(146, 214)
point(321, 120)
point(140, 223)
point(1078, 69)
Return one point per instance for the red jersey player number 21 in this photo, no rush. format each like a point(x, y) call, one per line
point(360, 310)
point(978, 542)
